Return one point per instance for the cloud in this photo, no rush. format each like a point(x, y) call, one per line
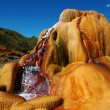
point(108, 5)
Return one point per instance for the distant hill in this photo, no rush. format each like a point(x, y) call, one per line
point(16, 41)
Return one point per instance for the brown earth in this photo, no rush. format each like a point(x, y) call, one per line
point(8, 55)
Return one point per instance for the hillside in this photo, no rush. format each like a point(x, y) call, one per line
point(15, 41)
point(13, 45)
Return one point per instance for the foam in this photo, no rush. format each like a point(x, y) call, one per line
point(34, 82)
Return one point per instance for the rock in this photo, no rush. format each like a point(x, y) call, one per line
point(85, 36)
point(90, 17)
point(72, 60)
point(80, 84)
point(7, 100)
point(23, 59)
point(7, 77)
point(46, 103)
point(69, 14)
point(7, 55)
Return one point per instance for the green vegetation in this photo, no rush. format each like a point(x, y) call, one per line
point(13, 40)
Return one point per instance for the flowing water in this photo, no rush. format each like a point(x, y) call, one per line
point(34, 83)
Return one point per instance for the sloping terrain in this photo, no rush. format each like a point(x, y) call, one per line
point(15, 41)
point(13, 45)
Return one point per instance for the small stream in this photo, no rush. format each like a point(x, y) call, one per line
point(33, 82)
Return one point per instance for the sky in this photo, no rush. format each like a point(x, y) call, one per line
point(30, 17)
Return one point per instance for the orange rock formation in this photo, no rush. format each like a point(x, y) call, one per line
point(75, 59)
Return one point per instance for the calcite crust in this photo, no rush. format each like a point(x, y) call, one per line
point(73, 57)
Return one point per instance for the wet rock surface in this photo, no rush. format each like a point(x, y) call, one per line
point(71, 60)
point(33, 82)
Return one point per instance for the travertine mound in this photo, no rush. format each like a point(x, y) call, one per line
point(69, 14)
point(8, 76)
point(85, 36)
point(74, 57)
point(82, 84)
point(41, 103)
point(7, 100)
